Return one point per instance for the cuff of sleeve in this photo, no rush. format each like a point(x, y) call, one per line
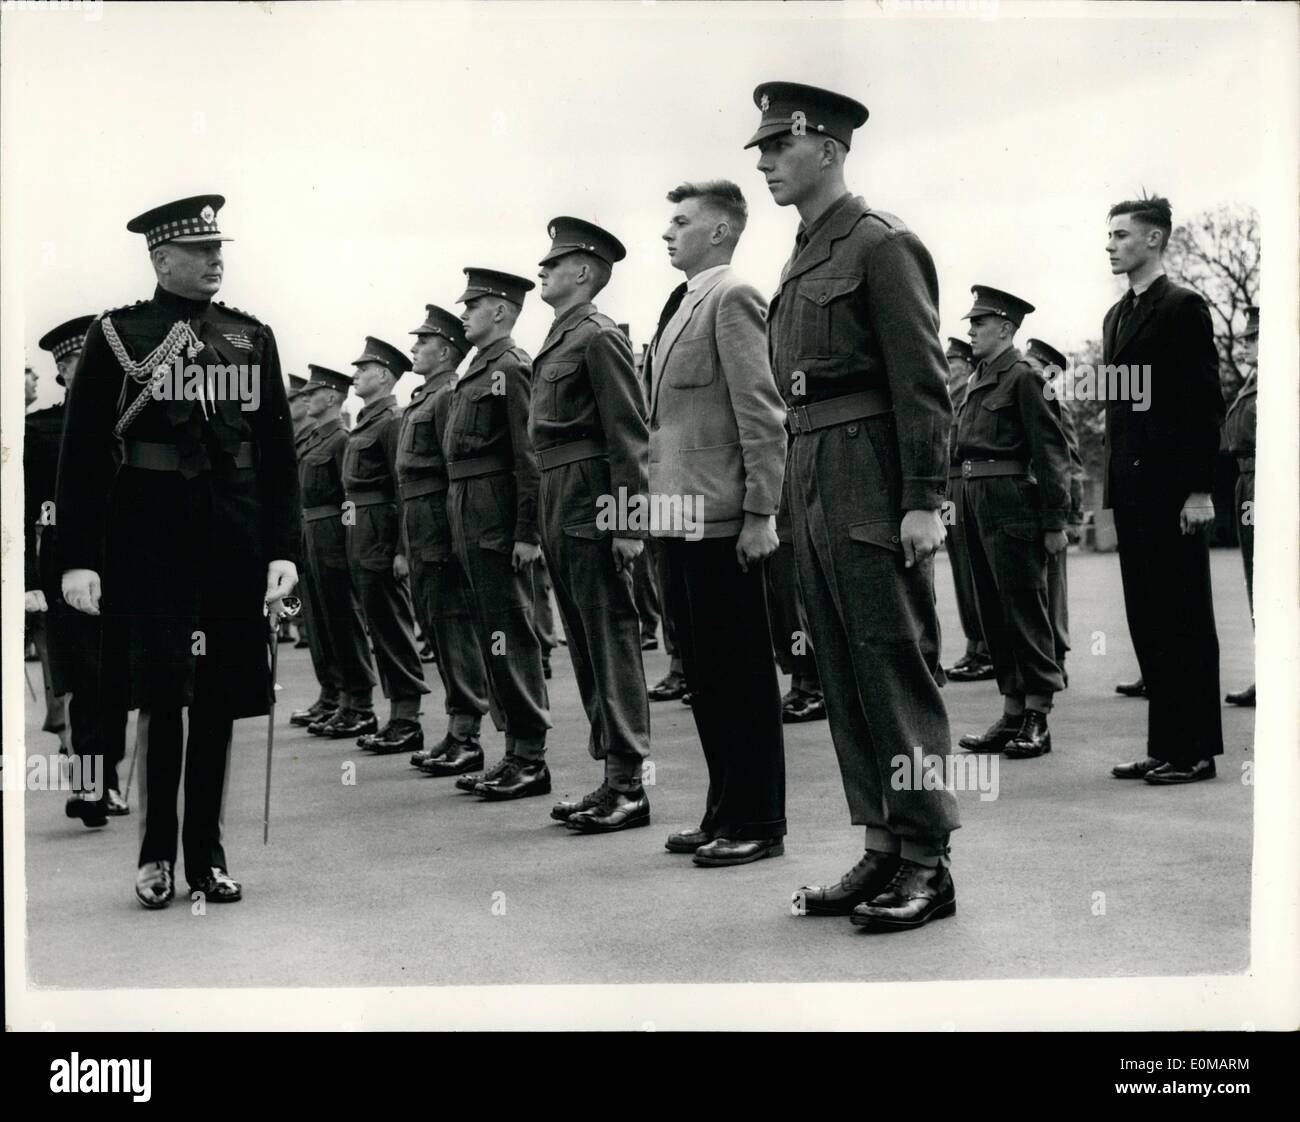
point(527, 533)
point(1054, 519)
point(924, 494)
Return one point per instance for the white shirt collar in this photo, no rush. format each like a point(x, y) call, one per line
point(1138, 289)
point(705, 274)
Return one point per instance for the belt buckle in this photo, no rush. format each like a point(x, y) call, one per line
point(798, 418)
point(965, 469)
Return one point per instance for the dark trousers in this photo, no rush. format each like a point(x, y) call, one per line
point(1170, 607)
point(442, 602)
point(645, 591)
point(56, 715)
point(791, 641)
point(336, 621)
point(1009, 567)
point(720, 617)
point(962, 581)
point(543, 612)
point(206, 756)
point(98, 738)
point(1058, 608)
point(660, 577)
point(875, 629)
point(386, 605)
point(1245, 493)
point(322, 665)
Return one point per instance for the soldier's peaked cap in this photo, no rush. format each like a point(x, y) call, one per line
point(297, 383)
point(489, 282)
point(188, 221)
point(959, 348)
point(439, 321)
point(995, 302)
point(385, 354)
point(323, 378)
point(793, 107)
point(1251, 332)
point(574, 235)
point(68, 338)
point(1047, 354)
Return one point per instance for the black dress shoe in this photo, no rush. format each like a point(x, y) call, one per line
point(1244, 697)
point(724, 851)
point(218, 887)
point(155, 886)
point(317, 711)
point(115, 806)
point(1032, 740)
point(1169, 775)
point(649, 643)
point(616, 810)
point(430, 752)
point(520, 779)
point(1137, 688)
point(862, 883)
point(460, 757)
point(1138, 769)
point(803, 707)
point(566, 808)
point(972, 669)
point(426, 652)
point(470, 782)
point(687, 841)
point(669, 688)
point(92, 812)
point(400, 735)
point(344, 724)
point(997, 738)
point(915, 896)
point(688, 698)
point(301, 644)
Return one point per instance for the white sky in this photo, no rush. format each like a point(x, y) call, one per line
point(368, 151)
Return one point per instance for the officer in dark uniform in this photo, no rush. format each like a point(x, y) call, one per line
point(1015, 498)
point(1239, 438)
point(371, 518)
point(854, 340)
point(587, 424)
point(72, 638)
point(975, 665)
point(438, 584)
point(337, 636)
point(195, 533)
point(1051, 364)
point(492, 510)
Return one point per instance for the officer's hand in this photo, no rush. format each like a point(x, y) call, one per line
point(626, 550)
point(921, 534)
point(401, 567)
point(1197, 511)
point(1055, 540)
point(34, 601)
point(757, 539)
point(281, 576)
point(524, 555)
point(81, 590)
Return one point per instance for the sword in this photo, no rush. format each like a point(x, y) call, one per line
point(289, 606)
point(135, 751)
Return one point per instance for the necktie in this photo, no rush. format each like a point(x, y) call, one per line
point(675, 299)
point(1126, 308)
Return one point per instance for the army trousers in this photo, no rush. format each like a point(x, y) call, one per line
point(442, 602)
point(502, 602)
point(875, 633)
point(1058, 608)
point(335, 632)
point(791, 642)
point(1008, 561)
point(963, 583)
point(325, 670)
point(598, 608)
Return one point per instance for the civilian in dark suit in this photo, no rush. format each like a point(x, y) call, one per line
point(1162, 433)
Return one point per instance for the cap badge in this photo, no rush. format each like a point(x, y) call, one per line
point(208, 214)
point(551, 231)
point(765, 103)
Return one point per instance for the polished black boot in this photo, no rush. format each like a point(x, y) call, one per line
point(615, 810)
point(400, 735)
point(1032, 740)
point(1136, 688)
point(471, 782)
point(997, 738)
point(317, 711)
point(565, 809)
point(461, 756)
point(346, 723)
point(916, 895)
point(1244, 697)
point(520, 779)
point(862, 883)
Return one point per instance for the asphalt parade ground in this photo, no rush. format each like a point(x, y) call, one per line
point(398, 879)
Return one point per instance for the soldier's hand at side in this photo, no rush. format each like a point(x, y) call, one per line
point(1055, 540)
point(524, 555)
point(81, 590)
point(1197, 511)
point(626, 550)
point(757, 539)
point(281, 576)
point(921, 534)
point(34, 601)
point(401, 567)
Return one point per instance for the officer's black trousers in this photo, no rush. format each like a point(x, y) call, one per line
point(1170, 607)
point(720, 619)
point(98, 738)
point(206, 756)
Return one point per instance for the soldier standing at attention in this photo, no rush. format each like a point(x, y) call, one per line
point(336, 629)
point(373, 533)
point(437, 580)
point(492, 510)
point(854, 338)
point(975, 665)
point(196, 532)
point(588, 428)
point(1239, 437)
point(1008, 430)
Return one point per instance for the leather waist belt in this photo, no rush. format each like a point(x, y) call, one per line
point(837, 410)
point(316, 513)
point(369, 498)
point(1246, 463)
point(569, 453)
point(167, 457)
point(414, 488)
point(476, 466)
point(983, 469)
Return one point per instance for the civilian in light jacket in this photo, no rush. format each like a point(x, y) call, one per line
point(717, 458)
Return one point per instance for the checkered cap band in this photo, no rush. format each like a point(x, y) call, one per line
point(181, 227)
point(69, 346)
